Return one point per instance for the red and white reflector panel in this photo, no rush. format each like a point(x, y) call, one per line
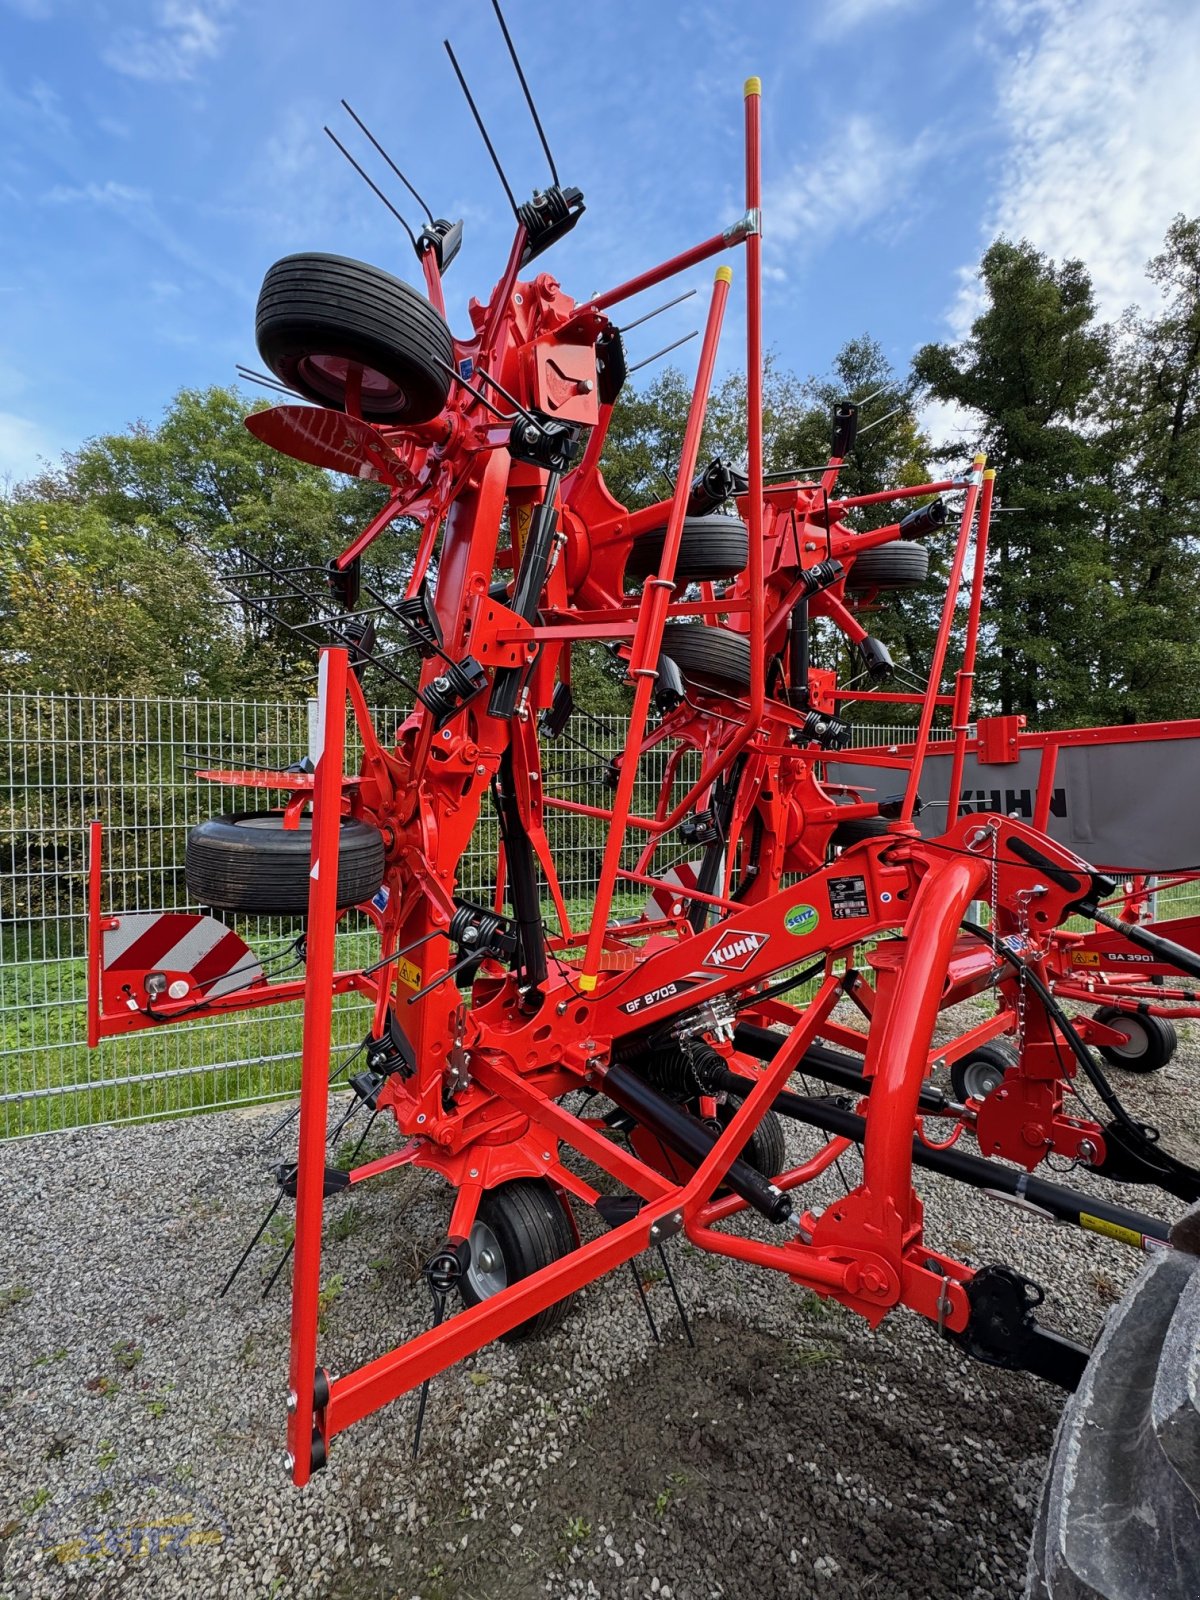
point(665, 901)
point(189, 957)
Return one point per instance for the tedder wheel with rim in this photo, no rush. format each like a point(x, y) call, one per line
point(1150, 1042)
point(716, 659)
point(710, 548)
point(976, 1075)
point(889, 566)
point(323, 320)
point(520, 1228)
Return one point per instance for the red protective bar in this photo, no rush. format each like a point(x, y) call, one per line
point(1047, 767)
point(668, 269)
point(754, 460)
point(943, 641)
point(966, 676)
point(836, 507)
point(314, 1070)
point(900, 1033)
point(647, 640)
point(95, 935)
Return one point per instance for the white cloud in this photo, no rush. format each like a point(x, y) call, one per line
point(861, 176)
point(847, 14)
point(114, 195)
point(23, 446)
point(188, 35)
point(31, 10)
point(1100, 102)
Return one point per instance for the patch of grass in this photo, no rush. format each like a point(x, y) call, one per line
point(578, 1530)
point(16, 1294)
point(157, 1408)
point(809, 1355)
point(104, 1385)
point(106, 1455)
point(127, 1354)
point(479, 1379)
point(347, 1223)
point(327, 1299)
point(35, 1501)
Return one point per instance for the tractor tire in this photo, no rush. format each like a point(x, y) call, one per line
point(716, 659)
point(710, 548)
point(320, 314)
point(976, 1075)
point(520, 1228)
point(1152, 1041)
point(248, 861)
point(889, 566)
point(855, 829)
point(764, 1150)
point(1120, 1509)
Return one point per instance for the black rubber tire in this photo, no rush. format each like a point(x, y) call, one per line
point(975, 1076)
point(314, 308)
point(716, 659)
point(855, 829)
point(529, 1222)
point(248, 861)
point(764, 1150)
point(1152, 1040)
point(890, 566)
point(710, 548)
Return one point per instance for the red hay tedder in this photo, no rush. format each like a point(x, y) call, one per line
point(769, 861)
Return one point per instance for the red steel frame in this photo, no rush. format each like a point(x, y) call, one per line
point(613, 981)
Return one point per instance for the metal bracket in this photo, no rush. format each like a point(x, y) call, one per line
point(749, 223)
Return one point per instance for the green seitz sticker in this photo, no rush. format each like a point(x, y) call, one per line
point(801, 920)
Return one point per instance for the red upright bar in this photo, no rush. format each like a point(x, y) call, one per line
point(314, 1071)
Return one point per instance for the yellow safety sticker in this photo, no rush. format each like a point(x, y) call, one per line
point(409, 973)
point(1111, 1230)
point(1085, 958)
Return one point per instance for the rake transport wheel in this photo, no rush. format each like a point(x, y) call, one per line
point(248, 861)
point(710, 548)
point(1120, 1509)
point(520, 1228)
point(890, 566)
point(716, 659)
point(1150, 1041)
point(764, 1150)
point(975, 1076)
point(321, 316)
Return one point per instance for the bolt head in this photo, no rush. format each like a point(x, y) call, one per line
point(474, 1173)
point(421, 1118)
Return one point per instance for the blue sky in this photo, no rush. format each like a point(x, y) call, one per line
point(157, 155)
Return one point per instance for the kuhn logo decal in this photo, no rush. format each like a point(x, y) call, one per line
point(735, 951)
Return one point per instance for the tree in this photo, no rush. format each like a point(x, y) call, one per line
point(201, 487)
point(1033, 367)
point(1154, 422)
point(96, 609)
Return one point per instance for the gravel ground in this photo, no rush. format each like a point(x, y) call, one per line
point(791, 1453)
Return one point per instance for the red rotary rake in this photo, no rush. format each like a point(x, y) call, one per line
point(495, 1036)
